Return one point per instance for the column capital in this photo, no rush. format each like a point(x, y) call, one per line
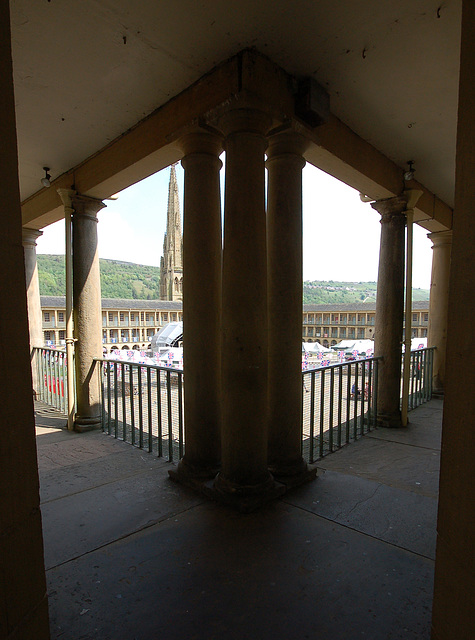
point(30, 236)
point(286, 141)
point(66, 196)
point(202, 140)
point(86, 206)
point(244, 119)
point(440, 238)
point(390, 207)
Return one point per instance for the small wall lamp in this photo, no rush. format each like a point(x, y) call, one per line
point(409, 175)
point(46, 181)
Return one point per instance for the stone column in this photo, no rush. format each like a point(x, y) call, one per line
point(35, 323)
point(202, 250)
point(390, 308)
point(23, 597)
point(244, 478)
point(284, 278)
point(87, 311)
point(454, 587)
point(439, 304)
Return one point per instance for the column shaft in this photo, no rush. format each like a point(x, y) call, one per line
point(202, 250)
point(439, 304)
point(29, 237)
point(23, 597)
point(284, 264)
point(454, 588)
point(87, 311)
point(244, 318)
point(390, 308)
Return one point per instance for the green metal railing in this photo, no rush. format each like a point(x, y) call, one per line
point(421, 373)
point(339, 405)
point(143, 404)
point(52, 377)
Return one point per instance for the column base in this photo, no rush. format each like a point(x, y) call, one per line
point(244, 498)
point(293, 474)
point(191, 475)
point(391, 421)
point(87, 423)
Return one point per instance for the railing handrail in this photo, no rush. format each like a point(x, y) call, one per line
point(342, 364)
point(138, 364)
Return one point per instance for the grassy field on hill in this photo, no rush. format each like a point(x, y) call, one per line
point(141, 282)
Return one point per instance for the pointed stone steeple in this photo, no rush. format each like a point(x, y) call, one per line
point(171, 264)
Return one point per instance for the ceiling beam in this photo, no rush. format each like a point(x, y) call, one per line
point(151, 145)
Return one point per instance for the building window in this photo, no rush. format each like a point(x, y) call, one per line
point(62, 335)
point(111, 316)
point(47, 317)
point(173, 316)
point(414, 317)
point(164, 317)
point(60, 316)
point(310, 331)
point(142, 315)
point(426, 317)
point(47, 335)
point(121, 317)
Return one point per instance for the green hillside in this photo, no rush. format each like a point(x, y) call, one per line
point(329, 292)
point(140, 282)
point(118, 279)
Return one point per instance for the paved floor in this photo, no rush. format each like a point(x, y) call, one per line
point(132, 556)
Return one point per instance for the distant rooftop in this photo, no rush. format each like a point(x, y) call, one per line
point(168, 305)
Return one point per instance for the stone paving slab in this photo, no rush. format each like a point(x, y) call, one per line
point(412, 469)
point(402, 518)
point(212, 574)
point(96, 489)
point(62, 449)
point(59, 482)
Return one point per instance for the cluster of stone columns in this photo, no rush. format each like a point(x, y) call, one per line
point(242, 309)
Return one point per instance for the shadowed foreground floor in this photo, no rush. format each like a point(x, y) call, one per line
point(132, 556)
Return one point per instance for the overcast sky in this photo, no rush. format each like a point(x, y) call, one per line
point(340, 233)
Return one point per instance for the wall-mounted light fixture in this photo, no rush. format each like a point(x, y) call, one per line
point(46, 181)
point(409, 174)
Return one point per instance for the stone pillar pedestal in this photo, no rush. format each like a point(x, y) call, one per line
point(35, 325)
point(284, 278)
point(244, 478)
point(390, 308)
point(202, 250)
point(439, 304)
point(87, 312)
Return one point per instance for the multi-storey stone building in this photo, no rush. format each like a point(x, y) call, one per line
point(132, 323)
point(330, 323)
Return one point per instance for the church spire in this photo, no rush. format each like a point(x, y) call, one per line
point(171, 264)
point(173, 210)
